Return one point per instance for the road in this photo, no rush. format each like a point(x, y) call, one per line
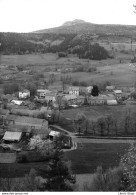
point(76, 140)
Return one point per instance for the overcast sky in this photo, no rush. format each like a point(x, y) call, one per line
point(30, 15)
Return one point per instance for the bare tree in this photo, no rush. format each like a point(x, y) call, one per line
point(109, 122)
point(101, 124)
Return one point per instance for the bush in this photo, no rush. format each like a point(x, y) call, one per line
point(62, 54)
point(110, 180)
point(79, 83)
point(10, 88)
point(92, 69)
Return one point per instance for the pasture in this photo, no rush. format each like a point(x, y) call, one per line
point(89, 156)
point(111, 70)
point(94, 112)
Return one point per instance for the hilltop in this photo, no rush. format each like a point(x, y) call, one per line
point(80, 26)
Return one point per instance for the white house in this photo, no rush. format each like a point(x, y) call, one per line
point(112, 102)
point(17, 102)
point(118, 93)
point(89, 89)
point(54, 134)
point(42, 92)
point(24, 94)
point(74, 90)
point(110, 88)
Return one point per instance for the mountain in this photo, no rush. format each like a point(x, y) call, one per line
point(80, 26)
point(74, 22)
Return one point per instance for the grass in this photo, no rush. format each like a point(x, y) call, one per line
point(107, 70)
point(94, 112)
point(89, 156)
point(20, 169)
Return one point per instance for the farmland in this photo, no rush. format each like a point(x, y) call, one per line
point(89, 156)
point(107, 70)
point(94, 112)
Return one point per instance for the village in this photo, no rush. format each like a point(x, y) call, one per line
point(20, 116)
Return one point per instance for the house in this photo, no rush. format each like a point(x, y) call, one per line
point(97, 100)
point(24, 94)
point(74, 90)
point(89, 89)
point(50, 97)
point(70, 98)
point(110, 88)
point(117, 93)
point(80, 100)
point(38, 126)
point(12, 136)
point(17, 102)
point(53, 135)
point(42, 92)
point(25, 130)
point(112, 102)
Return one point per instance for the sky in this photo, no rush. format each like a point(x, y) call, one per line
point(31, 15)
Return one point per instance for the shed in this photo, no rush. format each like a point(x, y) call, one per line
point(12, 136)
point(53, 135)
point(111, 102)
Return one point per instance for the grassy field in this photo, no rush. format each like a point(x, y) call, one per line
point(89, 156)
point(107, 70)
point(94, 112)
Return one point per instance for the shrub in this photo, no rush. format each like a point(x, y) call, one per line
point(92, 69)
point(10, 88)
point(62, 54)
point(110, 180)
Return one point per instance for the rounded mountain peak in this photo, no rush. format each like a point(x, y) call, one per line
point(74, 22)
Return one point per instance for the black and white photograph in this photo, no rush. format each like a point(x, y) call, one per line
point(67, 96)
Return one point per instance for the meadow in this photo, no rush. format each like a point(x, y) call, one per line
point(119, 74)
point(94, 112)
point(89, 156)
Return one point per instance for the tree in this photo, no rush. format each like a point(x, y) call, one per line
point(127, 121)
point(95, 91)
point(133, 95)
point(93, 127)
point(128, 162)
point(101, 124)
point(32, 87)
point(109, 122)
point(10, 88)
point(115, 125)
point(79, 120)
point(109, 180)
point(59, 178)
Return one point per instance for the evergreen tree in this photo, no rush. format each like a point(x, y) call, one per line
point(95, 91)
point(59, 177)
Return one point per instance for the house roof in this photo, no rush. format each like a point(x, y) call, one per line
point(43, 91)
point(70, 97)
point(117, 91)
point(12, 136)
point(22, 120)
point(54, 133)
point(24, 91)
point(74, 88)
point(111, 102)
point(17, 102)
point(19, 128)
point(111, 87)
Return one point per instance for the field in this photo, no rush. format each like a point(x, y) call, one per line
point(89, 156)
point(107, 70)
point(94, 112)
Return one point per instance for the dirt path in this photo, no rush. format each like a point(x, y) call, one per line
point(77, 140)
point(72, 135)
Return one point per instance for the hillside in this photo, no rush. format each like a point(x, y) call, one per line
point(80, 26)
